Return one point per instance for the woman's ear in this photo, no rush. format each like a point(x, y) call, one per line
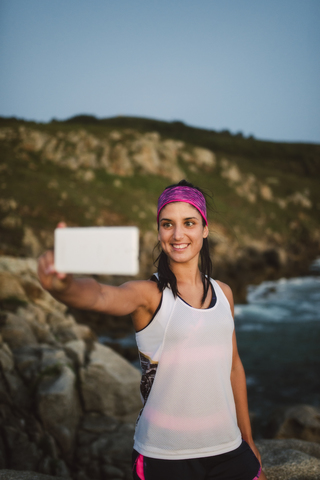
point(205, 231)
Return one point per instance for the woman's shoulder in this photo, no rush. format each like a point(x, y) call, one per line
point(146, 286)
point(227, 291)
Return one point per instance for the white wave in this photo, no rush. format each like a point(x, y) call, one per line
point(294, 299)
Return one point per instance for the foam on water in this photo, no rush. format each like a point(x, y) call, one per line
point(296, 299)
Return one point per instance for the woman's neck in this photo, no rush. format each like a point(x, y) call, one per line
point(186, 273)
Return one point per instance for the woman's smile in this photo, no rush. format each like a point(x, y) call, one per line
point(181, 246)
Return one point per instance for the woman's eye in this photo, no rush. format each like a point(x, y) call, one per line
point(189, 224)
point(166, 225)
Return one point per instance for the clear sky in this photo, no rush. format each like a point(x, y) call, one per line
point(243, 65)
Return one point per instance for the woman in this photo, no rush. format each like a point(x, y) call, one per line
point(195, 422)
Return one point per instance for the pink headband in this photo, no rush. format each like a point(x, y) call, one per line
point(183, 194)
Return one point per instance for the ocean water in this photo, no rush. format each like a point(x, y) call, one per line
point(278, 334)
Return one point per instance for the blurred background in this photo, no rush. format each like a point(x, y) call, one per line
point(103, 104)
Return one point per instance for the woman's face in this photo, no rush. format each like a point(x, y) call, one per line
point(181, 232)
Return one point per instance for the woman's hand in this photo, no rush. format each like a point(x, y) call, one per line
point(50, 279)
point(257, 454)
point(255, 451)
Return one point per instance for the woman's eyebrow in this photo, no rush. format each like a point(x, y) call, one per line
point(170, 220)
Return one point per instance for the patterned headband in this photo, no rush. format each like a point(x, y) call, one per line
point(183, 194)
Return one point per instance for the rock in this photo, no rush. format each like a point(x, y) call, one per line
point(6, 358)
point(301, 422)
point(76, 350)
point(59, 407)
point(230, 172)
point(24, 454)
point(11, 222)
point(96, 423)
point(112, 472)
point(16, 332)
point(120, 162)
point(109, 442)
point(3, 460)
point(18, 391)
point(300, 199)
point(64, 328)
point(24, 270)
point(10, 287)
point(266, 193)
point(31, 243)
point(19, 475)
point(28, 361)
point(290, 459)
point(118, 392)
point(204, 158)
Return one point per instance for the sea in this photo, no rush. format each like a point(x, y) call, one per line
point(278, 336)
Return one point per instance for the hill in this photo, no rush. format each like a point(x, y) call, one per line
point(264, 221)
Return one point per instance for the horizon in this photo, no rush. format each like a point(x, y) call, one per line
point(234, 134)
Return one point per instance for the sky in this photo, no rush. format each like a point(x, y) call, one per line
point(243, 65)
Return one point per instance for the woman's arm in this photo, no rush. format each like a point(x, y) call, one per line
point(87, 294)
point(239, 387)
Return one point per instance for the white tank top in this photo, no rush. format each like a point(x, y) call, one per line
point(186, 358)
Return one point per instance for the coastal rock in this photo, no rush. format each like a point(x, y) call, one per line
point(204, 158)
point(19, 475)
point(290, 459)
point(15, 331)
point(118, 393)
point(59, 407)
point(10, 287)
point(31, 243)
point(76, 349)
point(24, 271)
point(301, 422)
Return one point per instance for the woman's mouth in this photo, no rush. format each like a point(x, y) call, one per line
point(179, 246)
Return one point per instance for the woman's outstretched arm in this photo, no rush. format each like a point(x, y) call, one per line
point(88, 294)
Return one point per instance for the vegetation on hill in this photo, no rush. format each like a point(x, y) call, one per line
point(266, 199)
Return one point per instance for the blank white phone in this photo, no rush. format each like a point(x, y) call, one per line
point(100, 250)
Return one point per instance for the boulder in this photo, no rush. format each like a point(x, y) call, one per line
point(300, 421)
point(106, 443)
point(24, 454)
point(18, 475)
point(16, 332)
point(76, 349)
point(110, 384)
point(290, 459)
point(10, 287)
point(59, 407)
point(20, 281)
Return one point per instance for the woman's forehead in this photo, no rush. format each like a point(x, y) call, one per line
point(182, 209)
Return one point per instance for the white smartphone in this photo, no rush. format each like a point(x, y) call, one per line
point(100, 250)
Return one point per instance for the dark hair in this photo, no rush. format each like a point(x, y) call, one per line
point(166, 276)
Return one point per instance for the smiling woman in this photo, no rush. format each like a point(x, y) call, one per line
point(187, 207)
point(194, 423)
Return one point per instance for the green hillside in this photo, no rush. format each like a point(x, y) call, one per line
point(87, 171)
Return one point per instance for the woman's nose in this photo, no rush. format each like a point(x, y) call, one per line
point(178, 233)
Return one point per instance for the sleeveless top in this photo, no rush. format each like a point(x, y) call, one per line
point(186, 358)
